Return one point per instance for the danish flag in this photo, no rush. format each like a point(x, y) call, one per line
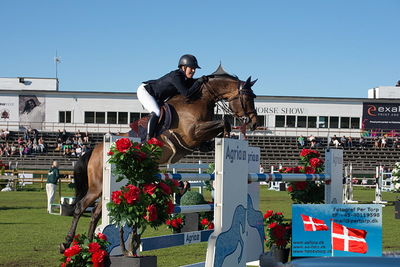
point(312, 224)
point(348, 239)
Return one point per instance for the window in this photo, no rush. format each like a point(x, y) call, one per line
point(64, 117)
point(279, 121)
point(323, 122)
point(134, 116)
point(112, 117)
point(344, 122)
point(122, 117)
point(89, 117)
point(100, 117)
point(291, 121)
point(144, 114)
point(302, 121)
point(312, 122)
point(355, 123)
point(333, 122)
point(260, 121)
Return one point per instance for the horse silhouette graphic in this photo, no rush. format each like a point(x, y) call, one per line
point(228, 241)
point(255, 219)
point(112, 233)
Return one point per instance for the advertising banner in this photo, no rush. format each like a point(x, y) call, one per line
point(381, 116)
point(337, 230)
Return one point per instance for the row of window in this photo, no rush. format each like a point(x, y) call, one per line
point(289, 121)
point(317, 122)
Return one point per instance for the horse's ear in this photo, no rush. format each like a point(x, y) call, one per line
point(253, 82)
point(247, 84)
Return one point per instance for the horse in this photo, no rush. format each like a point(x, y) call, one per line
point(192, 124)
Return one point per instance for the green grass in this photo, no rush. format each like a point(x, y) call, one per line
point(30, 236)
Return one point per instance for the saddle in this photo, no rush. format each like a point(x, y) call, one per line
point(139, 127)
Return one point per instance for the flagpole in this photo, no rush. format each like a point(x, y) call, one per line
point(331, 237)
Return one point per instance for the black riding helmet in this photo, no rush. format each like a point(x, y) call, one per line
point(188, 61)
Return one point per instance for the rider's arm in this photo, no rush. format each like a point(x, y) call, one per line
point(181, 85)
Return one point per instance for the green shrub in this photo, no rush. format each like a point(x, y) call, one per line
point(192, 198)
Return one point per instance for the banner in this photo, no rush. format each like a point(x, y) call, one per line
point(381, 116)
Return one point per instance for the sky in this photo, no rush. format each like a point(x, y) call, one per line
point(317, 48)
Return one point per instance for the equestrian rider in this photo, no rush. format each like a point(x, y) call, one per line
point(153, 93)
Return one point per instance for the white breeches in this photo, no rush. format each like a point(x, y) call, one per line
point(51, 190)
point(147, 100)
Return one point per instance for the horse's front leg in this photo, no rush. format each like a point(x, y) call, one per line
point(207, 130)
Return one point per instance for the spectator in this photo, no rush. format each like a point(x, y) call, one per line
point(41, 144)
point(350, 142)
point(343, 141)
point(363, 143)
point(182, 189)
point(52, 179)
point(376, 142)
point(336, 143)
point(300, 140)
point(396, 143)
point(311, 138)
point(85, 137)
point(4, 134)
point(383, 141)
point(64, 136)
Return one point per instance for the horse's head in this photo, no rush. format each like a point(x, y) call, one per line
point(238, 93)
point(242, 103)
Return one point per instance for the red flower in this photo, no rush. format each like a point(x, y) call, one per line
point(281, 242)
point(300, 185)
point(102, 236)
point(272, 225)
point(179, 220)
point(174, 223)
point(149, 189)
point(315, 162)
point(98, 258)
point(174, 182)
point(279, 231)
point(297, 169)
point(69, 252)
point(115, 196)
point(151, 213)
point(64, 264)
point(268, 214)
point(123, 144)
point(94, 247)
point(132, 195)
point(290, 188)
point(288, 170)
point(155, 141)
point(211, 226)
point(110, 153)
point(204, 222)
point(167, 190)
point(141, 155)
point(278, 213)
point(309, 170)
point(170, 207)
point(304, 152)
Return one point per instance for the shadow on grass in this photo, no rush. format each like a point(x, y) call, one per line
point(5, 223)
point(21, 208)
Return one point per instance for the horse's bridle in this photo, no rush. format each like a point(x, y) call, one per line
point(242, 92)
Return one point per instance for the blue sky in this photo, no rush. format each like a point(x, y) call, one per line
point(336, 48)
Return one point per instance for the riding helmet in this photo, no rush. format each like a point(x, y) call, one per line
point(188, 61)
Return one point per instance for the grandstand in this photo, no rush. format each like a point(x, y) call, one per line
point(275, 151)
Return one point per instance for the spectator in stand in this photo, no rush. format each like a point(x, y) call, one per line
point(64, 136)
point(313, 144)
point(343, 141)
point(51, 185)
point(78, 134)
point(376, 142)
point(396, 143)
point(78, 151)
point(363, 142)
point(300, 140)
point(336, 142)
point(85, 137)
point(41, 144)
point(13, 149)
point(4, 134)
point(383, 141)
point(311, 138)
point(84, 149)
point(350, 142)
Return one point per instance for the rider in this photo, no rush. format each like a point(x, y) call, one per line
point(153, 93)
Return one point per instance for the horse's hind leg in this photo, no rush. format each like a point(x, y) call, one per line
point(78, 211)
point(95, 219)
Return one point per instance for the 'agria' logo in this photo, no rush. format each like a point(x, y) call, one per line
point(235, 154)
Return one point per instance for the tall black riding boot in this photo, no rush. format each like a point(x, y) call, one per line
point(151, 126)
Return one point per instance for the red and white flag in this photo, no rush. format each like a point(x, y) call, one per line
point(348, 239)
point(312, 224)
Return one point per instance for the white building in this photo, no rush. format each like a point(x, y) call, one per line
point(37, 102)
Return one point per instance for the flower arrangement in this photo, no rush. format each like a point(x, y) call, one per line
point(144, 200)
point(176, 222)
point(86, 253)
point(277, 232)
point(206, 224)
point(307, 191)
point(396, 177)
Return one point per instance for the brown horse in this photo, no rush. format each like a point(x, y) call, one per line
point(192, 124)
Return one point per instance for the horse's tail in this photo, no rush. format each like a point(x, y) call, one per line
point(81, 176)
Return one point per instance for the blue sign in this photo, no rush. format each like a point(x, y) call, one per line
point(336, 230)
